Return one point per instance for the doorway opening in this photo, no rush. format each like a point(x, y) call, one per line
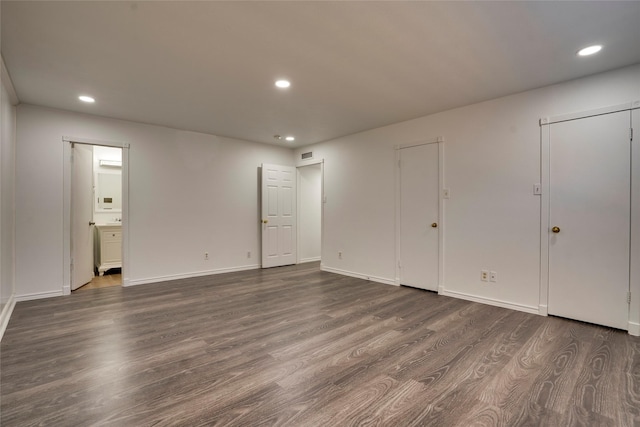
point(95, 215)
point(310, 204)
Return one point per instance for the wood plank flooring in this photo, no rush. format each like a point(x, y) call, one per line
point(106, 281)
point(294, 346)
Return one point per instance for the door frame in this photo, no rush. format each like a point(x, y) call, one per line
point(441, 206)
point(67, 141)
point(634, 250)
point(322, 202)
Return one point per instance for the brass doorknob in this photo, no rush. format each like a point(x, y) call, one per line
point(434, 225)
point(264, 221)
point(556, 229)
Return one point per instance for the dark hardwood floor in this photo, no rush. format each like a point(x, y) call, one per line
point(299, 347)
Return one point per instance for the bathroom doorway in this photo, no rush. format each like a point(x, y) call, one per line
point(96, 195)
point(309, 200)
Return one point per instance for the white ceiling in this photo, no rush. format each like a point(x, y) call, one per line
point(210, 66)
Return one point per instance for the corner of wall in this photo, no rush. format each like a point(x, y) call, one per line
point(5, 315)
point(8, 83)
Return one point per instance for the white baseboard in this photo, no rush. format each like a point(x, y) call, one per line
point(38, 295)
point(634, 329)
point(490, 301)
point(189, 275)
point(543, 310)
point(314, 259)
point(6, 315)
point(359, 276)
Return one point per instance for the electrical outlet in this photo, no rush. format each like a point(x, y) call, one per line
point(248, 254)
point(493, 276)
point(339, 255)
point(206, 256)
point(484, 275)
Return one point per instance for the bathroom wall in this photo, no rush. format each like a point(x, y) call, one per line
point(106, 153)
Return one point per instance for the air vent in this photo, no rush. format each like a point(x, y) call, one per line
point(307, 156)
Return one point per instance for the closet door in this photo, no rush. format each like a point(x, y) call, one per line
point(589, 219)
point(419, 228)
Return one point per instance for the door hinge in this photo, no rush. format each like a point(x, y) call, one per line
point(630, 134)
point(628, 297)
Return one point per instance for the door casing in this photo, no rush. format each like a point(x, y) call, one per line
point(441, 208)
point(322, 200)
point(66, 215)
point(634, 276)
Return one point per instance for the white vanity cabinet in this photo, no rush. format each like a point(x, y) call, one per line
point(108, 247)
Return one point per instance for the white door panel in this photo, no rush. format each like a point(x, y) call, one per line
point(278, 215)
point(419, 209)
point(81, 215)
point(589, 201)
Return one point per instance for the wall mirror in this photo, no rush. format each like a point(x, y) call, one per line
point(108, 195)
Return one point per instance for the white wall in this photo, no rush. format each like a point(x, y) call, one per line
point(105, 153)
point(309, 212)
point(492, 159)
point(188, 193)
point(7, 197)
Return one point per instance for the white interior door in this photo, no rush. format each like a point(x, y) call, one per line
point(589, 219)
point(419, 228)
point(81, 215)
point(278, 215)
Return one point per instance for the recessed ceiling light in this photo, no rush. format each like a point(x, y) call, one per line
point(590, 50)
point(85, 98)
point(290, 138)
point(283, 83)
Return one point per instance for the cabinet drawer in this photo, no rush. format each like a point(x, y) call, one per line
point(111, 236)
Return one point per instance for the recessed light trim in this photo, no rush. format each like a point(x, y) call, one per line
point(87, 99)
point(290, 138)
point(283, 84)
point(590, 50)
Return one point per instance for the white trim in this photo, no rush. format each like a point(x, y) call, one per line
point(8, 83)
point(543, 310)
point(38, 295)
point(491, 301)
point(5, 316)
point(158, 279)
point(441, 214)
point(634, 273)
point(589, 113)
point(397, 213)
point(66, 200)
point(91, 141)
point(421, 142)
point(314, 259)
point(359, 275)
point(543, 298)
point(441, 208)
point(309, 162)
